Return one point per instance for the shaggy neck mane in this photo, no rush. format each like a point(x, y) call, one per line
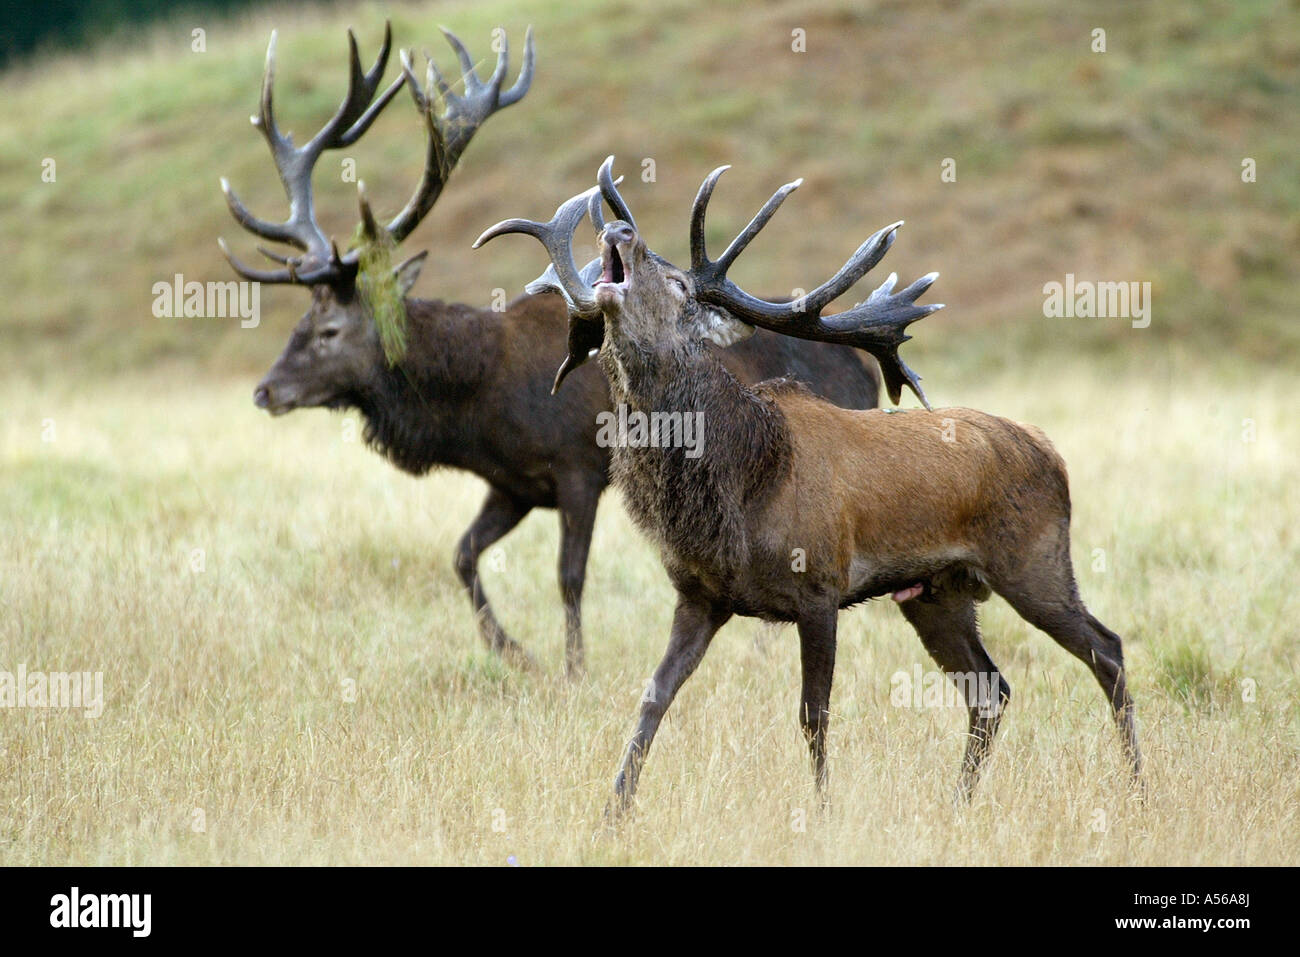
point(695, 507)
point(416, 412)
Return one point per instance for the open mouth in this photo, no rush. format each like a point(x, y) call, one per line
point(613, 272)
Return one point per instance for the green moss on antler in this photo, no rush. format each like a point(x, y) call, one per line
point(377, 286)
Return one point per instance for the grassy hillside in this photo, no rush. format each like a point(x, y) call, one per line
point(1123, 165)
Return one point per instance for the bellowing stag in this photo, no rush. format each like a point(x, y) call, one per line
point(472, 389)
point(873, 503)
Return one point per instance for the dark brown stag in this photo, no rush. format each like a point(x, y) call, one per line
point(797, 508)
point(473, 388)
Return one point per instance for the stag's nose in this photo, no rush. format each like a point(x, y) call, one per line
point(619, 232)
point(261, 397)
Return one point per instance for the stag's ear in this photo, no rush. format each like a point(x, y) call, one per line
point(408, 271)
point(720, 327)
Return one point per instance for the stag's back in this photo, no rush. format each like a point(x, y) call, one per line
point(953, 484)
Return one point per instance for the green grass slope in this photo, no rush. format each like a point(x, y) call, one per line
point(1123, 165)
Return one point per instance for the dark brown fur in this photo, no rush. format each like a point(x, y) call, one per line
point(474, 393)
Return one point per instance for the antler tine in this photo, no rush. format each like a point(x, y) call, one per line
point(275, 257)
point(562, 275)
point(466, 61)
point(363, 123)
point(437, 161)
point(699, 256)
point(464, 114)
point(368, 225)
point(525, 79)
point(265, 119)
point(715, 286)
point(359, 107)
point(503, 64)
point(294, 165)
point(433, 80)
point(860, 263)
point(699, 209)
point(285, 232)
point(593, 207)
point(877, 325)
point(282, 153)
point(609, 190)
point(255, 275)
point(761, 218)
point(451, 132)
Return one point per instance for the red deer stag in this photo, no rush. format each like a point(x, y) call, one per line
point(875, 503)
point(472, 391)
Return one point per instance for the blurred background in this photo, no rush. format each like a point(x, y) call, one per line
point(1123, 165)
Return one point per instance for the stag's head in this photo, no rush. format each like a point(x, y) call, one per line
point(648, 301)
point(355, 325)
point(334, 350)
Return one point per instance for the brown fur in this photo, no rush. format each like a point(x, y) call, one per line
point(797, 509)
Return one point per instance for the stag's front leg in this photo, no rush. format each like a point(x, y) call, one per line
point(695, 622)
point(817, 656)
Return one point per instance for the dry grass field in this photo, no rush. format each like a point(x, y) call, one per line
point(291, 669)
point(226, 687)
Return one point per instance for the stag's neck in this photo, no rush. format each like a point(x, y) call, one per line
point(420, 413)
point(694, 500)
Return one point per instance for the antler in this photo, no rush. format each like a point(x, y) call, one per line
point(586, 331)
point(875, 325)
point(320, 260)
point(448, 135)
point(608, 187)
point(562, 275)
point(460, 120)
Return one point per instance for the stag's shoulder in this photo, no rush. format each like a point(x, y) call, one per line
point(786, 387)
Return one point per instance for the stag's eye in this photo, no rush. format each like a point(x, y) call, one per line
point(678, 283)
point(329, 332)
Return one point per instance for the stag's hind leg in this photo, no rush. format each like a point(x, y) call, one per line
point(1044, 593)
point(576, 501)
point(500, 513)
point(946, 621)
